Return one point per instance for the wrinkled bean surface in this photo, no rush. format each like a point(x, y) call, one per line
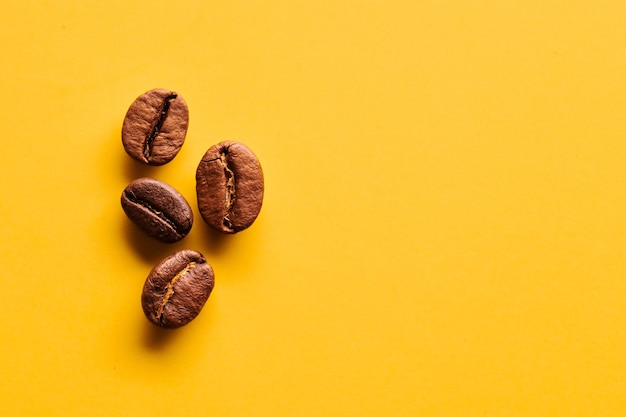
point(230, 187)
point(177, 289)
point(155, 127)
point(157, 209)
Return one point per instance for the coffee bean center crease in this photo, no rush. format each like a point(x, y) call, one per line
point(154, 132)
point(229, 188)
point(161, 215)
point(169, 289)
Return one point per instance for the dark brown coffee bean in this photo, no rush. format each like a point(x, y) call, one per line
point(229, 184)
point(177, 288)
point(155, 127)
point(158, 209)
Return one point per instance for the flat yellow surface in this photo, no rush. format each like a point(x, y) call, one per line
point(443, 231)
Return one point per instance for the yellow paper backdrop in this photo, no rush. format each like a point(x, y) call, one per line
point(443, 231)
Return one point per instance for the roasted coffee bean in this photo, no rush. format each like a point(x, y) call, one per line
point(158, 209)
point(229, 184)
point(155, 127)
point(177, 288)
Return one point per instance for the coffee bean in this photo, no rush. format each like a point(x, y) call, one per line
point(229, 185)
point(177, 288)
point(155, 126)
point(158, 209)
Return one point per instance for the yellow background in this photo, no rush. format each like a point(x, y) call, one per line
point(443, 231)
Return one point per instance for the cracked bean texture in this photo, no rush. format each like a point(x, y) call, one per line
point(155, 126)
point(177, 289)
point(230, 187)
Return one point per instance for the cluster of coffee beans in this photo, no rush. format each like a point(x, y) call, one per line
point(229, 187)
